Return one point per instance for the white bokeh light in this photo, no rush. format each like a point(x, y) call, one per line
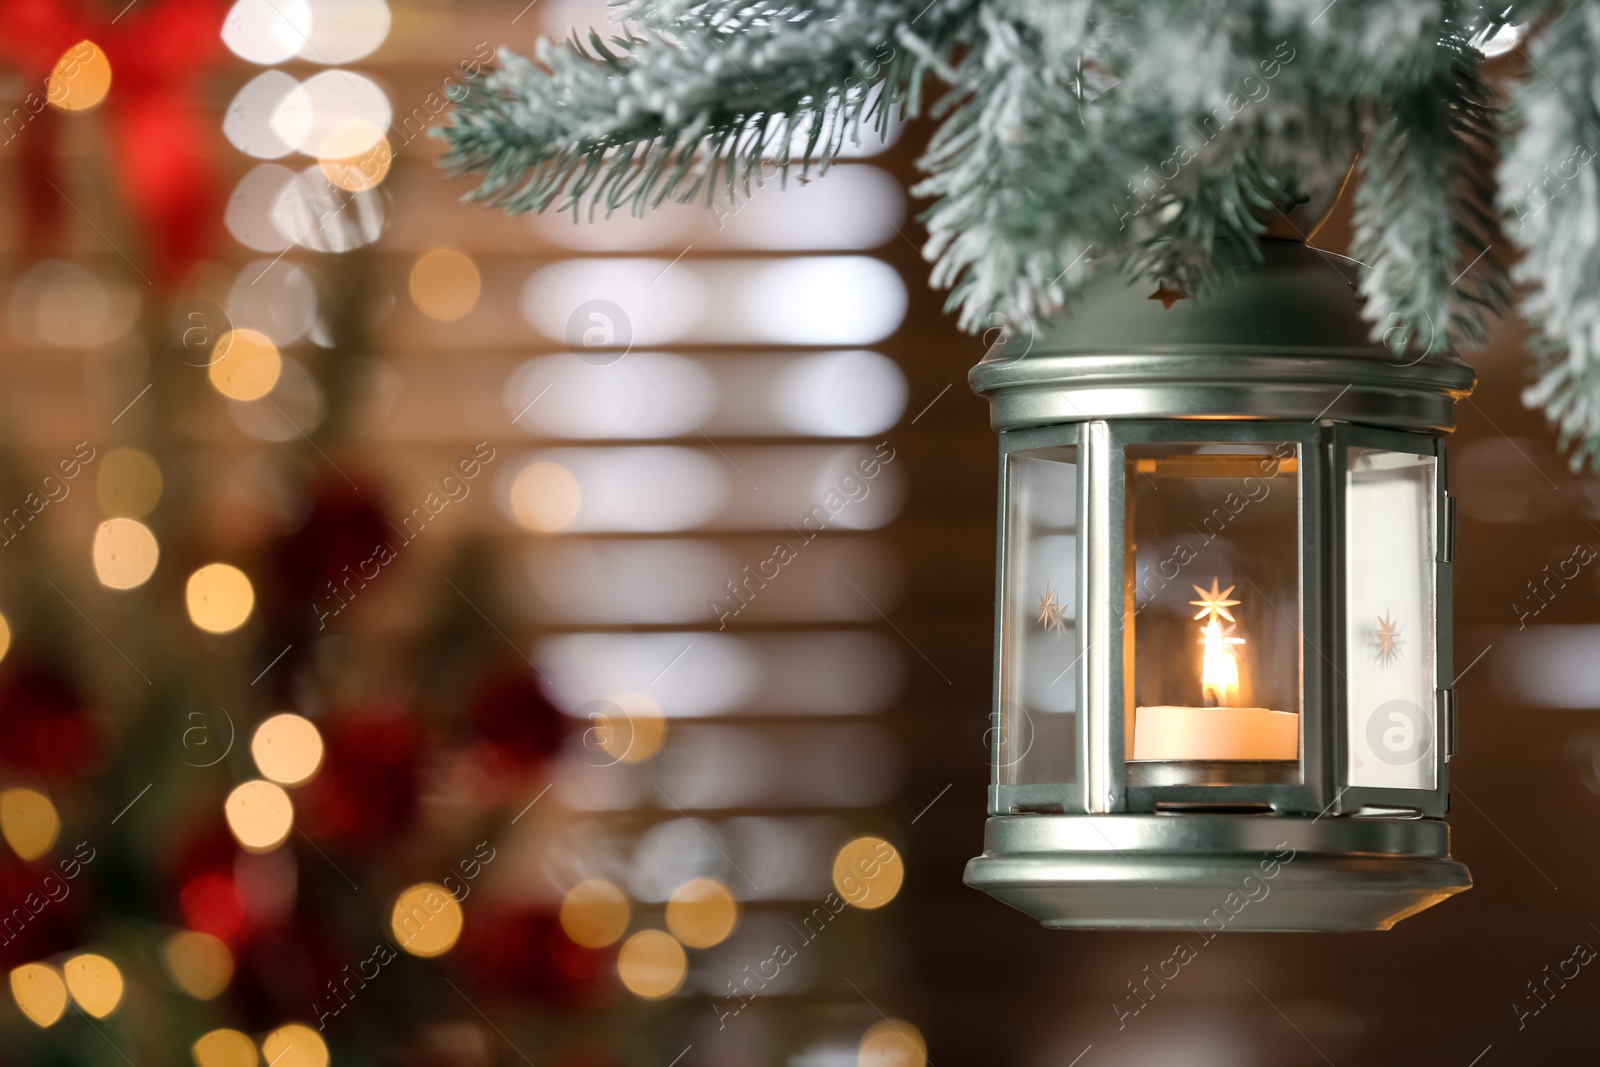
point(820, 300)
point(312, 212)
point(849, 207)
point(642, 301)
point(647, 489)
point(277, 298)
point(842, 672)
point(345, 30)
point(249, 123)
point(267, 31)
point(337, 113)
point(829, 393)
point(670, 853)
point(840, 394)
point(645, 394)
point(809, 300)
point(715, 677)
point(251, 206)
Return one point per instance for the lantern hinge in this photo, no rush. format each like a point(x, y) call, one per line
point(1447, 719)
point(1447, 540)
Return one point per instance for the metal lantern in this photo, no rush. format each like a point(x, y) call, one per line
point(1222, 685)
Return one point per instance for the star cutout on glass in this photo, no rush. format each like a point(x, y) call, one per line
point(1052, 616)
point(1388, 637)
point(1215, 603)
point(1168, 297)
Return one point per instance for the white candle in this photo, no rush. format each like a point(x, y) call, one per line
point(1167, 732)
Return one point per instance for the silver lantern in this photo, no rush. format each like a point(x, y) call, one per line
point(1223, 670)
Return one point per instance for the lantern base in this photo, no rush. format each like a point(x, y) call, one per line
point(1209, 873)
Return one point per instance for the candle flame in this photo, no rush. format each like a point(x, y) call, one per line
point(1219, 666)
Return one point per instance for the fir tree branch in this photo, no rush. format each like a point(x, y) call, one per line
point(1077, 129)
point(1551, 197)
point(1062, 146)
point(1006, 228)
point(694, 100)
point(1424, 219)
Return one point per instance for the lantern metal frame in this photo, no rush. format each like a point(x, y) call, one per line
point(1280, 356)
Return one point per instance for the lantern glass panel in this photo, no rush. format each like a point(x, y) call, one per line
point(1212, 612)
point(1037, 738)
point(1390, 623)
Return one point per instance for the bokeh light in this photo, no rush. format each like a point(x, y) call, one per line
point(287, 749)
point(249, 214)
point(267, 31)
point(648, 394)
point(5, 637)
point(594, 913)
point(295, 1045)
point(199, 963)
point(545, 497)
point(249, 123)
point(701, 912)
point(345, 30)
point(244, 365)
point(347, 138)
point(361, 170)
point(128, 484)
point(652, 964)
point(651, 488)
point(94, 982)
point(634, 736)
point(40, 992)
point(853, 393)
point(426, 920)
point(338, 114)
point(81, 78)
point(224, 1048)
point(69, 305)
point(219, 597)
point(644, 302)
point(279, 299)
point(296, 408)
point(29, 822)
point(892, 1043)
point(260, 814)
point(445, 284)
point(868, 872)
point(313, 212)
point(809, 300)
point(125, 553)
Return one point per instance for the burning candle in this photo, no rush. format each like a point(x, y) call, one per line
point(1216, 731)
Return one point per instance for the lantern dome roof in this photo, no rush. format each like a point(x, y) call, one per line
point(1282, 340)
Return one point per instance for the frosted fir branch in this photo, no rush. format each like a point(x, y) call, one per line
point(1425, 215)
point(1005, 229)
point(1373, 48)
point(1090, 130)
point(1550, 194)
point(1061, 148)
point(694, 101)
